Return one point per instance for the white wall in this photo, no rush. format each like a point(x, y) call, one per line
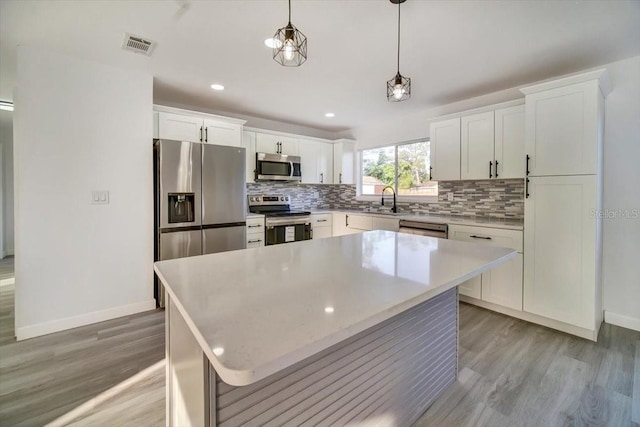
point(81, 126)
point(6, 141)
point(621, 271)
point(621, 236)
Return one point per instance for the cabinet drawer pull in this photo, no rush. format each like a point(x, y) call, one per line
point(322, 220)
point(473, 236)
point(254, 226)
point(255, 241)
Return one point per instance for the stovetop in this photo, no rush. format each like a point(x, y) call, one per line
point(273, 205)
point(285, 213)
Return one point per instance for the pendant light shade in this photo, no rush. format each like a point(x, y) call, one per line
point(289, 45)
point(399, 87)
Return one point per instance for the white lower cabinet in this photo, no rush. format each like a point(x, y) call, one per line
point(389, 224)
point(561, 255)
point(503, 284)
point(321, 225)
point(255, 231)
point(358, 223)
point(344, 223)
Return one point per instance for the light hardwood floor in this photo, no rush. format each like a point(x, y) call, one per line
point(512, 373)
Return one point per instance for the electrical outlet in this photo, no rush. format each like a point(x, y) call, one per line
point(450, 197)
point(100, 197)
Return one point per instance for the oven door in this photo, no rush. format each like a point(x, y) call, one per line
point(287, 231)
point(276, 167)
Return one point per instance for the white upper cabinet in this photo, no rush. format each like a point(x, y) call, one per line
point(194, 127)
point(249, 144)
point(492, 144)
point(344, 162)
point(477, 155)
point(325, 163)
point(317, 162)
point(309, 159)
point(221, 133)
point(509, 142)
point(277, 144)
point(179, 127)
point(562, 130)
point(445, 150)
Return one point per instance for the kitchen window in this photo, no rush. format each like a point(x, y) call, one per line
point(403, 166)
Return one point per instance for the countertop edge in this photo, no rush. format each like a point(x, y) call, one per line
point(236, 377)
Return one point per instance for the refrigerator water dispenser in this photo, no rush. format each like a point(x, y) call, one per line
point(181, 207)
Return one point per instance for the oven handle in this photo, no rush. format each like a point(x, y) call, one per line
point(270, 223)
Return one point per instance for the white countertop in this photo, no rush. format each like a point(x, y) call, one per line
point(258, 311)
point(504, 223)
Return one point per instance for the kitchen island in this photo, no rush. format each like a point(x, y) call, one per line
point(345, 330)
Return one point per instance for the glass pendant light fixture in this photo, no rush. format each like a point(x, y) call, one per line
point(290, 45)
point(399, 87)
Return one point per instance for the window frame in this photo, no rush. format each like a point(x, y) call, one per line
point(400, 198)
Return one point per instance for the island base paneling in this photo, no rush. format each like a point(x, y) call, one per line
point(388, 375)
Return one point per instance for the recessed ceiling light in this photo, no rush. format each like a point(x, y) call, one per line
point(330, 115)
point(328, 310)
point(217, 86)
point(271, 43)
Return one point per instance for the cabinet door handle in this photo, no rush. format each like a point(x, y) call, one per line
point(255, 241)
point(346, 220)
point(527, 165)
point(340, 178)
point(430, 173)
point(496, 168)
point(200, 133)
point(473, 236)
point(254, 226)
point(526, 188)
point(206, 134)
point(490, 168)
point(321, 178)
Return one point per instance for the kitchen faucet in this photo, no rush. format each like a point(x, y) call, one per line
point(394, 208)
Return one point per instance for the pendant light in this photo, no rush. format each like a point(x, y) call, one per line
point(289, 45)
point(399, 87)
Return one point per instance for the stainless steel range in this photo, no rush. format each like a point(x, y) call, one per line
point(282, 225)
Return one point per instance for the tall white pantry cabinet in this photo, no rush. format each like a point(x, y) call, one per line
point(563, 195)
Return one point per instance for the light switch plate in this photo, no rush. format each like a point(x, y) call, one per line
point(100, 197)
point(450, 197)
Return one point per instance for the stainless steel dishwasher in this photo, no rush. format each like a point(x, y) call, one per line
point(432, 229)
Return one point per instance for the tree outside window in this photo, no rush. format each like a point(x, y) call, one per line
point(405, 167)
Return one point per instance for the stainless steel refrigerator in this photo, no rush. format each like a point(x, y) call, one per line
point(199, 200)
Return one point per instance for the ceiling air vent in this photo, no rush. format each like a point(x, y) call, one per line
point(138, 44)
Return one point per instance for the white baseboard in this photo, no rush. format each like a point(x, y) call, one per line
point(31, 331)
point(623, 321)
point(8, 284)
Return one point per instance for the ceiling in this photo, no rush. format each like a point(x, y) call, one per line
point(452, 50)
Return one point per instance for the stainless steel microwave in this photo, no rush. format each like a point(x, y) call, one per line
point(277, 167)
